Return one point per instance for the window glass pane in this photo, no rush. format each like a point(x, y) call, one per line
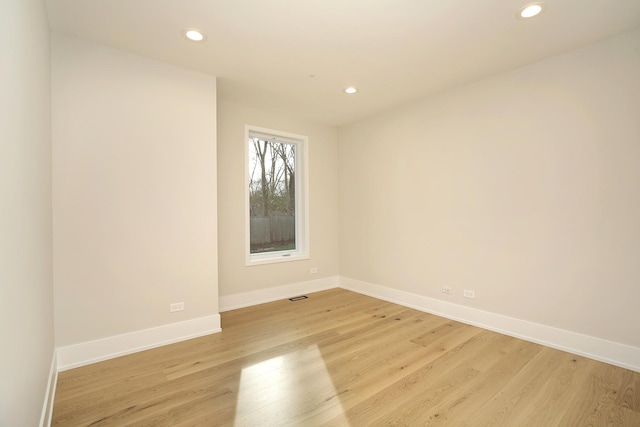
point(272, 195)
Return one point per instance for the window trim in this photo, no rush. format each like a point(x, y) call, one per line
point(302, 199)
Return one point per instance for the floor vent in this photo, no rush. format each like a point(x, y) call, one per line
point(298, 298)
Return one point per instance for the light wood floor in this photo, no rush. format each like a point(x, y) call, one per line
point(344, 359)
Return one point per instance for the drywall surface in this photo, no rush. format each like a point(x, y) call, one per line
point(235, 277)
point(524, 187)
point(26, 290)
point(134, 196)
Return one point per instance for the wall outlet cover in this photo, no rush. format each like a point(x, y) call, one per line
point(176, 306)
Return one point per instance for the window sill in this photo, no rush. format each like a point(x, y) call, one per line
point(272, 259)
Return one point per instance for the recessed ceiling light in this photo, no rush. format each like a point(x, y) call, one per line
point(194, 34)
point(531, 10)
point(351, 90)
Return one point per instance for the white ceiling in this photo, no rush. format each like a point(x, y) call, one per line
point(264, 52)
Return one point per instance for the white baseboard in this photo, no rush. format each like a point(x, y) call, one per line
point(85, 353)
point(622, 355)
point(50, 393)
point(246, 299)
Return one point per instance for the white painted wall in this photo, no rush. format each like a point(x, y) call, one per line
point(134, 196)
point(524, 187)
point(26, 292)
point(235, 277)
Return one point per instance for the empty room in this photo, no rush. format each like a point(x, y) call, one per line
point(306, 213)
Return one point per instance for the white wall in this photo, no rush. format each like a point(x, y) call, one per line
point(26, 292)
point(524, 187)
point(235, 277)
point(134, 195)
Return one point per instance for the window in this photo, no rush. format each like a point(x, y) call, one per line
point(276, 196)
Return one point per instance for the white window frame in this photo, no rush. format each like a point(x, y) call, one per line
point(302, 199)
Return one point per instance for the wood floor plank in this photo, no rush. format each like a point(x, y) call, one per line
point(340, 358)
point(508, 405)
point(416, 382)
point(548, 401)
point(629, 392)
point(599, 404)
point(496, 365)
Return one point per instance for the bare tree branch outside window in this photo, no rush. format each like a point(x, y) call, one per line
point(272, 195)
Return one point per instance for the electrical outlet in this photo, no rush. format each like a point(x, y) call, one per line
point(313, 270)
point(469, 294)
point(176, 306)
point(447, 290)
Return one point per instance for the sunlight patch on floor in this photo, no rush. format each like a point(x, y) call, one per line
point(270, 394)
